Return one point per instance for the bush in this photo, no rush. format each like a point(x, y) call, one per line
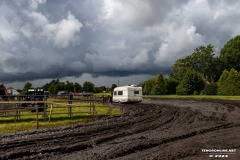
point(158, 90)
point(155, 86)
point(147, 86)
point(171, 85)
point(196, 93)
point(211, 89)
point(160, 86)
point(229, 83)
point(181, 90)
point(191, 82)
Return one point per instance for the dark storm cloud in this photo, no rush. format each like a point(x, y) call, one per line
point(42, 39)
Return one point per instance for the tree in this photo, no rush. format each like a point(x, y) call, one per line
point(60, 86)
point(230, 54)
point(229, 83)
point(47, 85)
point(171, 85)
point(69, 86)
point(88, 86)
point(113, 86)
point(27, 85)
point(222, 82)
point(77, 87)
point(147, 86)
point(99, 89)
point(179, 70)
point(159, 87)
point(191, 82)
point(2, 90)
point(51, 89)
point(211, 89)
point(202, 60)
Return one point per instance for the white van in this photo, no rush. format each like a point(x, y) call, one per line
point(127, 94)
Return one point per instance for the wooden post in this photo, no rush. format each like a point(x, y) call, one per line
point(16, 115)
point(69, 111)
point(94, 109)
point(19, 105)
point(50, 114)
point(37, 121)
point(45, 108)
point(90, 103)
point(70, 99)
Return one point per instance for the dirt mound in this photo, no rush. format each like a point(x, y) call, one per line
point(159, 129)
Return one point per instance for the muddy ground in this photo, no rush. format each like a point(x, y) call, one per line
point(153, 129)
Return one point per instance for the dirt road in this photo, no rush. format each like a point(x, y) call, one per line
point(155, 129)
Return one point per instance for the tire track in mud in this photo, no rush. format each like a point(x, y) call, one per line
point(67, 137)
point(117, 136)
point(142, 145)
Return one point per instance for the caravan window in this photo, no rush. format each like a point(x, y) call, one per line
point(115, 93)
point(136, 92)
point(120, 92)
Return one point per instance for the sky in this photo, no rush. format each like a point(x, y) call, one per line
point(106, 41)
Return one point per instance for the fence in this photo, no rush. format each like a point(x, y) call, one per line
point(15, 107)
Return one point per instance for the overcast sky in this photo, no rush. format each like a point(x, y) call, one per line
point(104, 41)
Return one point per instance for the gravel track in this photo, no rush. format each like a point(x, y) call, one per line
point(154, 129)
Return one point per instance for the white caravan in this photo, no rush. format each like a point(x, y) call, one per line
point(127, 94)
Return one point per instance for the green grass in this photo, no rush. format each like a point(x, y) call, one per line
point(7, 124)
point(102, 94)
point(195, 96)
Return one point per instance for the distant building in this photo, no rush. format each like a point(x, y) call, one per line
point(12, 91)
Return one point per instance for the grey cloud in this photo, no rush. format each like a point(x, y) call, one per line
point(57, 39)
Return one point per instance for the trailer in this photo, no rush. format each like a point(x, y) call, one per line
point(130, 94)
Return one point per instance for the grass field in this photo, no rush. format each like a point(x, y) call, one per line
point(28, 122)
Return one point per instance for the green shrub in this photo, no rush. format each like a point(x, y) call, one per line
point(191, 82)
point(147, 86)
point(171, 85)
point(181, 90)
point(229, 83)
point(196, 93)
point(211, 89)
point(160, 86)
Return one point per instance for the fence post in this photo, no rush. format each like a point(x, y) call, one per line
point(37, 120)
point(94, 110)
point(16, 116)
point(18, 106)
point(50, 114)
point(70, 98)
point(44, 108)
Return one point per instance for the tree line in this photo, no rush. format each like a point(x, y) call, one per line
point(202, 72)
point(55, 86)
